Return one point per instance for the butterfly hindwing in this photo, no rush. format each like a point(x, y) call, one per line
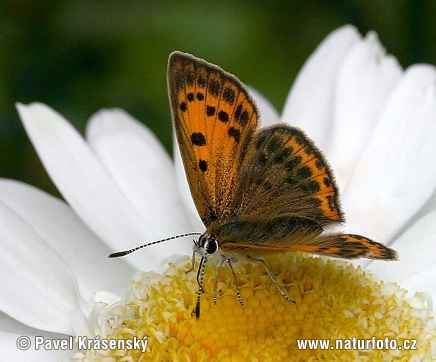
point(215, 120)
point(286, 175)
point(286, 197)
point(347, 246)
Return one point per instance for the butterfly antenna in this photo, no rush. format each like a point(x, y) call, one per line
point(126, 252)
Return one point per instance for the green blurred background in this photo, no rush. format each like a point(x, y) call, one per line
point(80, 56)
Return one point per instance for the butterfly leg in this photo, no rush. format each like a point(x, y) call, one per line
point(238, 292)
point(271, 276)
point(218, 267)
point(200, 278)
point(192, 263)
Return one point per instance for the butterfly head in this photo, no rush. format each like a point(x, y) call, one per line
point(206, 244)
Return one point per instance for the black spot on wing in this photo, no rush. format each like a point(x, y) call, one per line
point(293, 163)
point(229, 95)
point(324, 248)
point(203, 165)
point(210, 111)
point(319, 164)
point(283, 155)
point(311, 187)
point(223, 116)
point(198, 139)
point(327, 181)
point(244, 118)
point(214, 87)
point(304, 172)
point(241, 115)
point(235, 133)
point(238, 111)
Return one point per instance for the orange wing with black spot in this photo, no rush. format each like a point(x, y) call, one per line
point(347, 246)
point(215, 120)
point(284, 234)
point(285, 175)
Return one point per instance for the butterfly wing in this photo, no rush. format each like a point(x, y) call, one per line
point(215, 120)
point(286, 175)
point(347, 246)
point(286, 196)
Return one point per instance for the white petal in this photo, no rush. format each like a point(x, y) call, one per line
point(185, 192)
point(61, 228)
point(310, 103)
point(395, 175)
point(38, 288)
point(422, 282)
point(10, 325)
point(141, 168)
point(88, 187)
point(429, 206)
point(106, 297)
point(365, 80)
point(268, 114)
point(11, 353)
point(414, 249)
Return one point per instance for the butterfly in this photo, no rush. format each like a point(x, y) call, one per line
point(257, 190)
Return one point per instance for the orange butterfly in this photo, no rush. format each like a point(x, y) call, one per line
point(256, 190)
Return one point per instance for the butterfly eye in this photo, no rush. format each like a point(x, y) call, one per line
point(211, 245)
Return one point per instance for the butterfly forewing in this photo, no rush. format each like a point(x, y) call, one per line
point(214, 120)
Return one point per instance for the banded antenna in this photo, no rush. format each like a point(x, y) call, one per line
point(127, 252)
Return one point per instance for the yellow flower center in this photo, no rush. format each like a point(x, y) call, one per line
point(334, 300)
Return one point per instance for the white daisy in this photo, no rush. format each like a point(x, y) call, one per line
point(374, 121)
